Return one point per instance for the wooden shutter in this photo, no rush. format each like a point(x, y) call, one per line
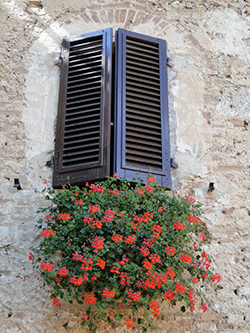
point(141, 108)
point(82, 150)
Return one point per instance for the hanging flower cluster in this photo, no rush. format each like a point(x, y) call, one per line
point(121, 244)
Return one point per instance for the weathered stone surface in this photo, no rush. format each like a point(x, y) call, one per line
point(209, 97)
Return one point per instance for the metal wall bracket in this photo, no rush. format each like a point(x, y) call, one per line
point(211, 187)
point(17, 184)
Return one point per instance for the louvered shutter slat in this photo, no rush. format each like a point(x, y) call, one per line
point(141, 108)
point(83, 128)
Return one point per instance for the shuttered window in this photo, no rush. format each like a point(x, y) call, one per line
point(141, 135)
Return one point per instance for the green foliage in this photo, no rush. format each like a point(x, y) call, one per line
point(113, 245)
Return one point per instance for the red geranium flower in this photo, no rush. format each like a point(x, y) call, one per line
point(185, 258)
point(204, 307)
point(144, 250)
point(171, 273)
point(101, 263)
point(169, 295)
point(151, 179)
point(216, 276)
point(157, 228)
point(90, 298)
point(108, 293)
point(178, 226)
point(202, 234)
point(31, 256)
point(94, 209)
point(46, 266)
point(128, 322)
point(117, 238)
point(170, 250)
point(56, 301)
point(179, 288)
point(64, 216)
point(47, 233)
point(76, 281)
point(130, 239)
point(62, 271)
point(192, 218)
point(155, 258)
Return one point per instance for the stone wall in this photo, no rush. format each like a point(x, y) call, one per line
point(209, 96)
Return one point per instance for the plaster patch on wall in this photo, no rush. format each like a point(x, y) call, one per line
point(189, 166)
point(41, 90)
point(192, 130)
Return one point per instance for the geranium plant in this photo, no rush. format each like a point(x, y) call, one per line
point(114, 247)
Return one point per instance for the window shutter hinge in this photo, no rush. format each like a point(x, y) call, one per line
point(62, 57)
point(169, 64)
point(173, 164)
point(58, 62)
point(49, 163)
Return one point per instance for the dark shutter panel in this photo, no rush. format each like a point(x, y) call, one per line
point(141, 108)
point(82, 150)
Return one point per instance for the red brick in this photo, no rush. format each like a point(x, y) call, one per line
point(229, 211)
point(94, 7)
point(103, 16)
point(138, 18)
point(74, 12)
point(130, 17)
point(163, 25)
point(95, 17)
point(111, 15)
point(206, 115)
point(20, 70)
point(141, 8)
point(229, 168)
point(147, 18)
point(117, 5)
point(85, 17)
point(117, 15)
point(156, 20)
point(123, 14)
point(10, 112)
point(237, 122)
